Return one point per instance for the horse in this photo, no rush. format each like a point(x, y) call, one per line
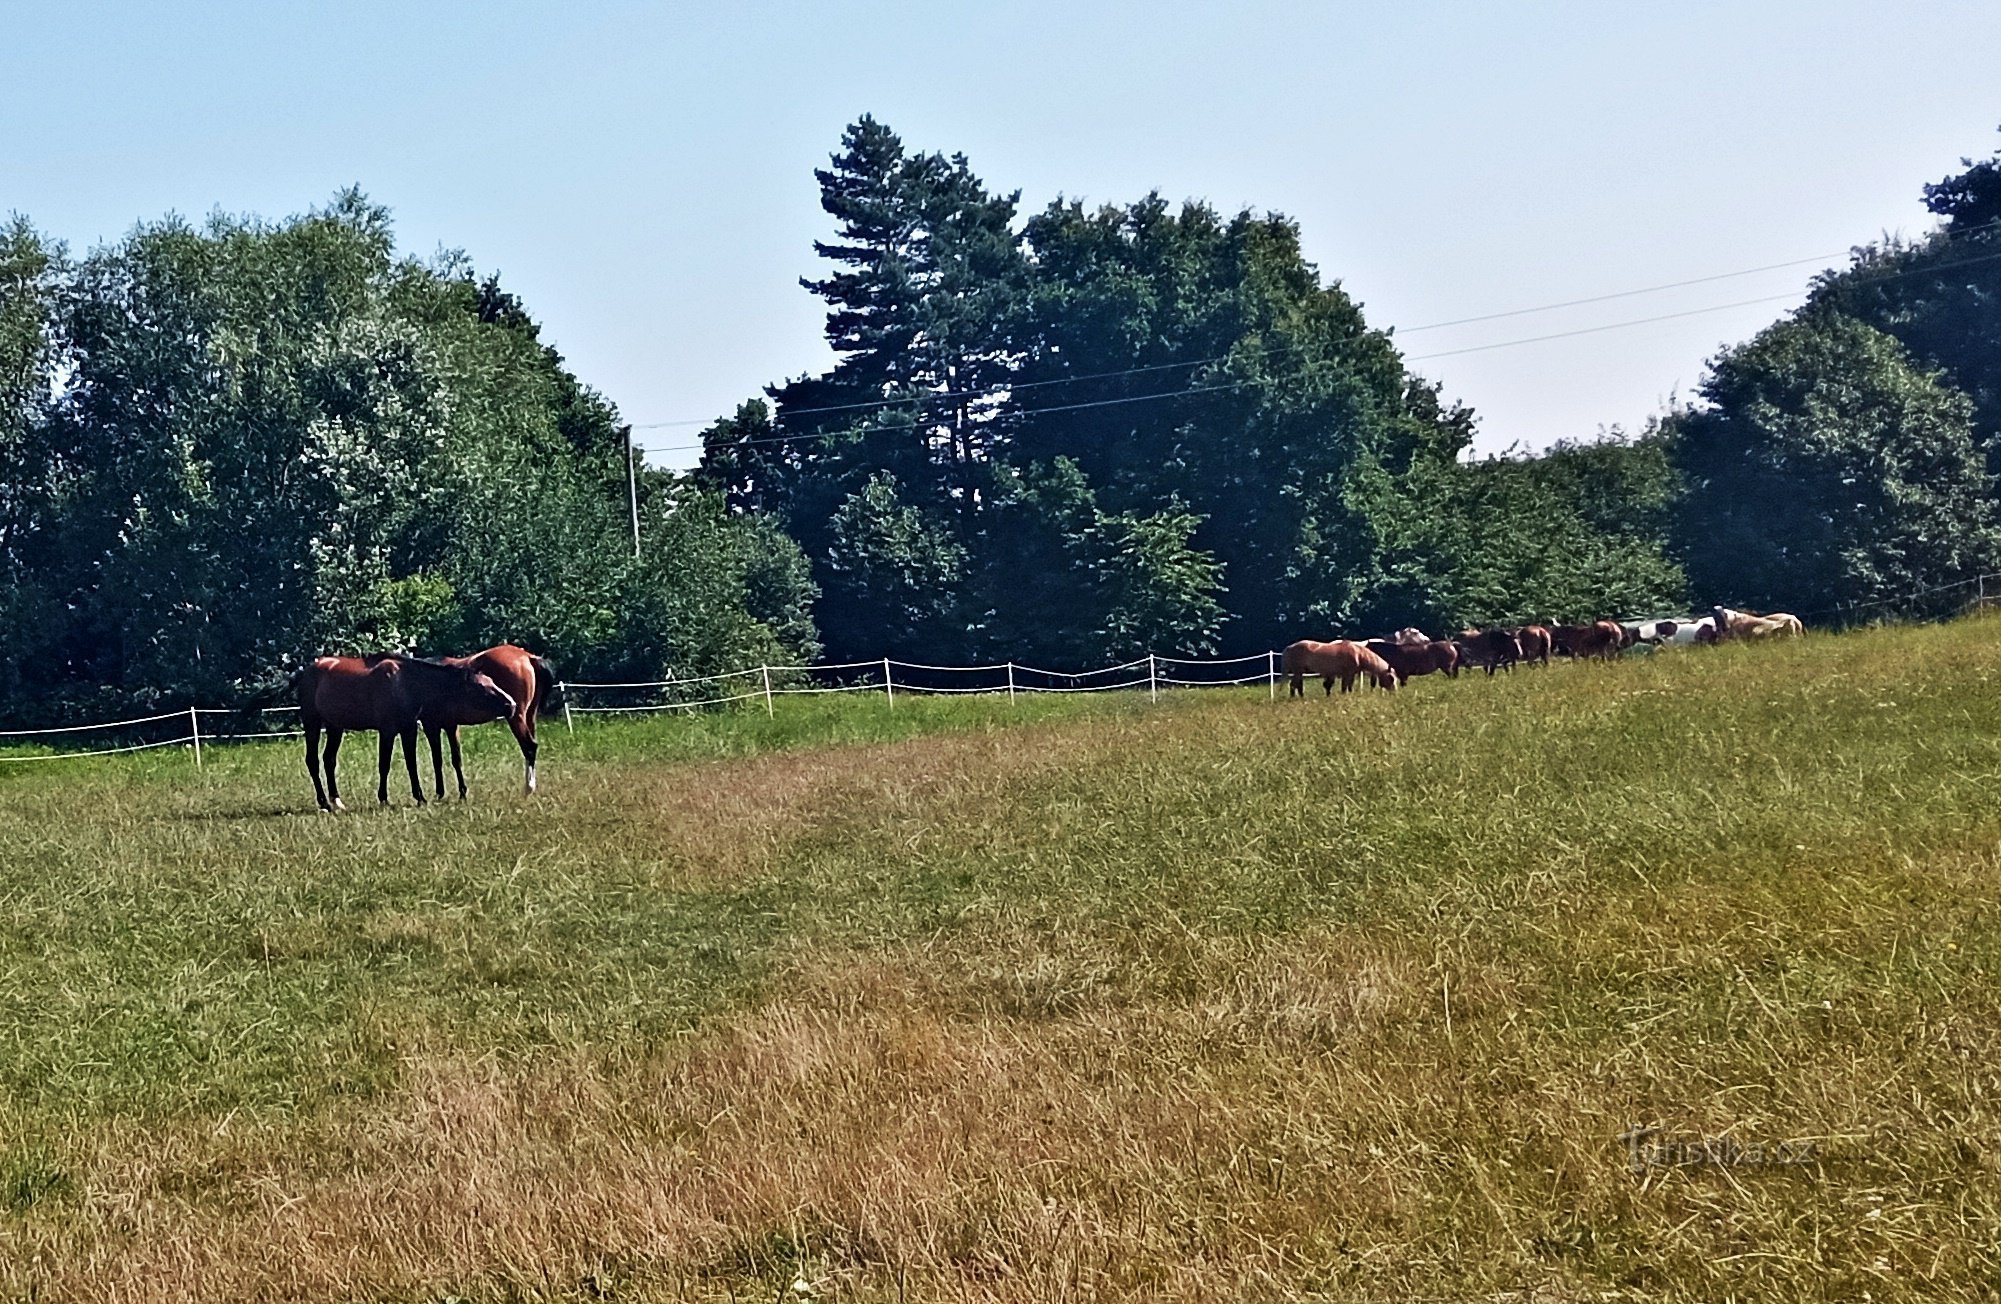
point(1748, 625)
point(519, 673)
point(387, 694)
point(1496, 649)
point(1535, 644)
point(1410, 659)
point(1603, 639)
point(1340, 660)
point(1411, 636)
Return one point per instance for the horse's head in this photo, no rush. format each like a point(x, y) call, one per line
point(483, 695)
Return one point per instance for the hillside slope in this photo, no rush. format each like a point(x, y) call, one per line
point(1219, 998)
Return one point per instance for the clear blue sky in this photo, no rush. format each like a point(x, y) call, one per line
point(642, 174)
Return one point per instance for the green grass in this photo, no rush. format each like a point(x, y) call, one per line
point(177, 941)
point(1210, 997)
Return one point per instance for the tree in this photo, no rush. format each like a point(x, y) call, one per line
point(1825, 467)
point(1576, 533)
point(235, 445)
point(1242, 387)
point(1940, 296)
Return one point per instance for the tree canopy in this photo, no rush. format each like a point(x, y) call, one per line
point(234, 445)
point(1096, 431)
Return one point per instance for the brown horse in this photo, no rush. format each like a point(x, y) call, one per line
point(1535, 644)
point(520, 674)
point(1340, 660)
point(1412, 659)
point(387, 694)
point(1496, 649)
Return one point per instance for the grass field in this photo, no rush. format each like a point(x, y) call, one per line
point(1215, 998)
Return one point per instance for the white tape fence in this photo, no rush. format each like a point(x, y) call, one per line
point(891, 677)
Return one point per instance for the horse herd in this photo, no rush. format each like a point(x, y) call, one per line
point(1388, 662)
point(395, 695)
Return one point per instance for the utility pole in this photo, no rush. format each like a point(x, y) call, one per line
point(632, 486)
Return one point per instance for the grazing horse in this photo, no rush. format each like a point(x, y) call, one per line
point(1535, 644)
point(520, 674)
point(1410, 659)
point(1747, 625)
point(1340, 660)
point(387, 694)
point(1496, 649)
point(1603, 639)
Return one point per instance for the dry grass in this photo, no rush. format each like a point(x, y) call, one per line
point(1353, 1000)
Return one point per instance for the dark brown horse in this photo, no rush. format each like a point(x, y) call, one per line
point(520, 674)
point(387, 694)
point(1496, 649)
point(1412, 659)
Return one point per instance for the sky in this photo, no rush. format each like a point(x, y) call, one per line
point(642, 175)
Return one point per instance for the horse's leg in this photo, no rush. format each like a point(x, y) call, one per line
point(458, 764)
point(1327, 685)
point(410, 761)
point(385, 756)
point(313, 762)
point(431, 732)
point(1298, 683)
point(333, 772)
point(524, 733)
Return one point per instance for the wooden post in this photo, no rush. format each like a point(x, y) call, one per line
point(1010, 683)
point(194, 725)
point(888, 684)
point(568, 723)
point(1152, 678)
point(767, 690)
point(1271, 669)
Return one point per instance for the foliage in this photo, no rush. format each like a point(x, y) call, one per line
point(1104, 432)
point(1571, 535)
point(239, 444)
point(1940, 296)
point(1827, 468)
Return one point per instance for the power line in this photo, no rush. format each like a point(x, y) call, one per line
point(997, 390)
point(1006, 388)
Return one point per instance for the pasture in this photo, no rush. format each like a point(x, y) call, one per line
point(1360, 998)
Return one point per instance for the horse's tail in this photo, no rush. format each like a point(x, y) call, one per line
point(277, 690)
point(548, 689)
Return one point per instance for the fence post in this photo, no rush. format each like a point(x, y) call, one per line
point(1271, 670)
point(1152, 678)
point(766, 671)
point(194, 726)
point(568, 723)
point(888, 684)
point(1010, 683)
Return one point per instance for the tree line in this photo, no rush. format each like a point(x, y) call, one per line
point(226, 447)
point(1063, 437)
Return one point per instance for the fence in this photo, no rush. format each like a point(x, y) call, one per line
point(185, 728)
point(766, 684)
point(1015, 679)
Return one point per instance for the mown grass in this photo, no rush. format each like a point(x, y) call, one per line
point(1074, 998)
